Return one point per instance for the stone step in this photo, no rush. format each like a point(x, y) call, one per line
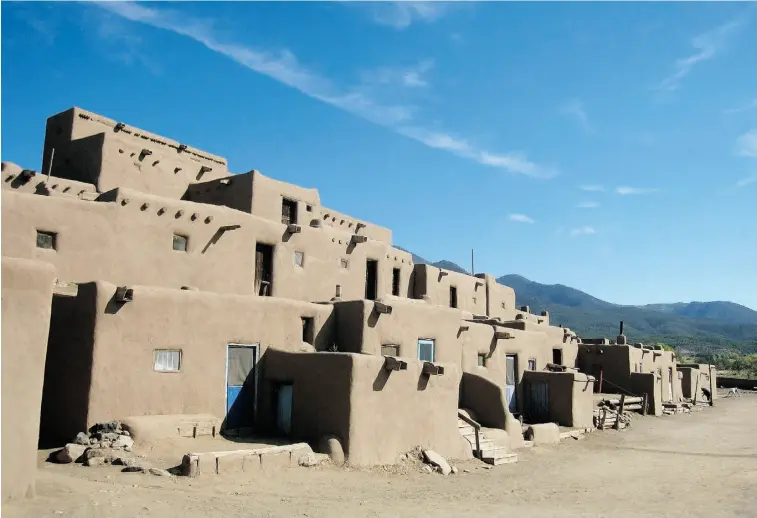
point(509, 458)
point(495, 453)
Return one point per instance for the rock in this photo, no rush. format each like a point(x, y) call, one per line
point(123, 441)
point(106, 454)
point(125, 432)
point(95, 461)
point(104, 444)
point(466, 470)
point(150, 471)
point(453, 470)
point(70, 453)
point(332, 446)
point(82, 439)
point(308, 460)
point(107, 436)
point(94, 441)
point(427, 469)
point(435, 459)
point(109, 426)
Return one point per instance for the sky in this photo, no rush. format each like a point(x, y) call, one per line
point(610, 147)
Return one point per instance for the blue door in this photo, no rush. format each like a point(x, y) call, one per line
point(240, 386)
point(511, 364)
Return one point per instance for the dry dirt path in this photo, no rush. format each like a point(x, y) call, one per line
point(703, 464)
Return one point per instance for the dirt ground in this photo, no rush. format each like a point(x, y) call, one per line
point(699, 464)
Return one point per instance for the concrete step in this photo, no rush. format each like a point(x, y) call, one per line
point(494, 453)
point(510, 458)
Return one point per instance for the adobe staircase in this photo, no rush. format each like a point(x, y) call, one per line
point(488, 451)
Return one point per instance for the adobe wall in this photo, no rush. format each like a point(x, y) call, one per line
point(647, 383)
point(200, 324)
point(500, 299)
point(13, 180)
point(614, 361)
point(571, 401)
point(126, 237)
point(433, 284)
point(92, 148)
point(27, 291)
point(689, 385)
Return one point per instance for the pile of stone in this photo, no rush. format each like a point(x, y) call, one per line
point(437, 463)
point(106, 444)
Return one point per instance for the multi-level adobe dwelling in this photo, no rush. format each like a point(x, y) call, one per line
point(178, 292)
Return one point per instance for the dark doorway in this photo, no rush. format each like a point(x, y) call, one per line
point(453, 296)
point(396, 282)
point(371, 278)
point(557, 356)
point(308, 330)
point(263, 269)
point(288, 212)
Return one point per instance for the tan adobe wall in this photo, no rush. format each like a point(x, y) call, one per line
point(14, 180)
point(345, 223)
point(93, 149)
point(123, 382)
point(500, 298)
point(433, 284)
point(385, 414)
point(26, 296)
point(570, 398)
point(132, 243)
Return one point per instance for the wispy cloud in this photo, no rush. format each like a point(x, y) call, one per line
point(592, 188)
point(283, 66)
point(576, 110)
point(520, 218)
point(745, 108)
point(588, 205)
point(412, 77)
point(746, 181)
point(402, 15)
point(706, 46)
point(746, 144)
point(582, 231)
point(627, 191)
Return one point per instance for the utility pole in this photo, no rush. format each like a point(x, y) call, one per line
point(472, 267)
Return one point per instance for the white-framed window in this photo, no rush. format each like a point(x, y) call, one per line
point(299, 259)
point(482, 360)
point(167, 360)
point(532, 364)
point(426, 350)
point(390, 350)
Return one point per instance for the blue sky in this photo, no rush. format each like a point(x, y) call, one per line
point(611, 147)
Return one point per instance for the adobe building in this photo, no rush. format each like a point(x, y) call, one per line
point(184, 290)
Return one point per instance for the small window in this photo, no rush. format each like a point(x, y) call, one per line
point(288, 212)
point(47, 240)
point(532, 364)
point(344, 263)
point(396, 282)
point(180, 243)
point(503, 306)
point(453, 296)
point(557, 356)
point(426, 350)
point(299, 259)
point(390, 350)
point(482, 360)
point(309, 208)
point(308, 330)
point(167, 360)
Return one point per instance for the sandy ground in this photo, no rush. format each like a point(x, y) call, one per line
point(702, 464)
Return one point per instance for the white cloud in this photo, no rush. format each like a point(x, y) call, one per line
point(520, 218)
point(588, 205)
point(413, 77)
point(283, 66)
point(402, 15)
point(582, 231)
point(626, 191)
point(706, 46)
point(592, 188)
point(575, 109)
point(746, 144)
point(746, 181)
point(745, 108)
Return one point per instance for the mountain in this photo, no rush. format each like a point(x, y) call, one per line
point(693, 326)
point(446, 265)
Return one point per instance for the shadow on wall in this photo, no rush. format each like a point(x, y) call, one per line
point(68, 367)
point(485, 398)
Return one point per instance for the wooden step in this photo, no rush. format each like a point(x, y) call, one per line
point(509, 458)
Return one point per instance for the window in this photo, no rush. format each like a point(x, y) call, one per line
point(390, 350)
point(453, 296)
point(299, 259)
point(396, 281)
point(263, 269)
point(46, 240)
point(557, 356)
point(308, 330)
point(426, 350)
point(344, 263)
point(482, 360)
point(167, 360)
point(532, 364)
point(288, 212)
point(180, 243)
point(371, 279)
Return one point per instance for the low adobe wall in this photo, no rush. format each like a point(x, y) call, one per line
point(648, 383)
point(376, 414)
point(27, 292)
point(570, 396)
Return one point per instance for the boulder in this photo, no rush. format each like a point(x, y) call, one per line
point(437, 460)
point(123, 441)
point(107, 454)
point(82, 439)
point(95, 461)
point(70, 453)
point(149, 471)
point(331, 446)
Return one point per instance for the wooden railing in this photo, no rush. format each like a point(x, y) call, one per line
point(476, 427)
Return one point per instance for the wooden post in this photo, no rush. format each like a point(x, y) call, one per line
point(472, 266)
point(696, 391)
point(644, 405)
point(620, 410)
point(600, 381)
point(712, 388)
point(50, 166)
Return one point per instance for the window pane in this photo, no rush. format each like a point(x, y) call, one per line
point(299, 258)
point(46, 240)
point(532, 364)
point(426, 350)
point(510, 371)
point(390, 350)
point(179, 243)
point(167, 360)
point(481, 360)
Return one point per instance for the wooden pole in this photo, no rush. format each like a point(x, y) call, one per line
point(50, 165)
point(620, 410)
point(644, 405)
point(712, 388)
point(600, 381)
point(472, 266)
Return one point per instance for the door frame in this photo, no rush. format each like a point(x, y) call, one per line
point(515, 383)
point(256, 356)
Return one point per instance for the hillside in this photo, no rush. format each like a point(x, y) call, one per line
point(693, 326)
